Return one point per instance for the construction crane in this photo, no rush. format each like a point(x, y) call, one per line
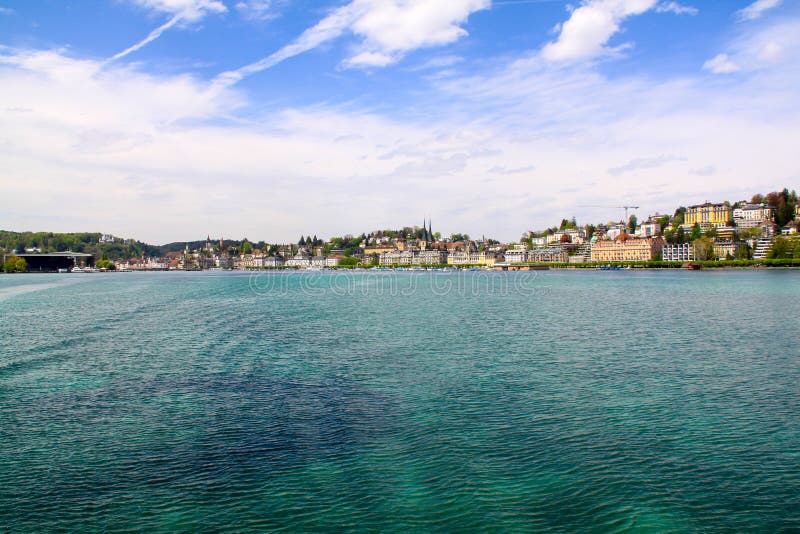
point(626, 208)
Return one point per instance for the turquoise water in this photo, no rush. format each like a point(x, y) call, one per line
point(553, 401)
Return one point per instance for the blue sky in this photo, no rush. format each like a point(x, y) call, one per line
point(169, 119)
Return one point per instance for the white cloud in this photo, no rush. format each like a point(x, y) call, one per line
point(369, 59)
point(644, 163)
point(389, 29)
point(721, 64)
point(258, 10)
point(757, 8)
point(759, 49)
point(6, 11)
point(676, 8)
point(590, 27)
point(190, 10)
point(182, 11)
point(395, 27)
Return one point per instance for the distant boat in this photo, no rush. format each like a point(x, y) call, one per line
point(692, 266)
point(77, 270)
point(62, 270)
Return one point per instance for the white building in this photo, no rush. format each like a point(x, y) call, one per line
point(301, 259)
point(516, 256)
point(576, 236)
point(273, 261)
point(678, 252)
point(753, 215)
point(650, 228)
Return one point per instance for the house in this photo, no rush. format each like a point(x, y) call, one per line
point(791, 228)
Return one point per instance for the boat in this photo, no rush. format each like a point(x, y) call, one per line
point(77, 270)
point(692, 266)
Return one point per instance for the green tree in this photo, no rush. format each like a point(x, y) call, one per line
point(632, 223)
point(247, 247)
point(106, 264)
point(679, 217)
point(15, 264)
point(680, 235)
point(348, 262)
point(744, 253)
point(703, 249)
point(697, 232)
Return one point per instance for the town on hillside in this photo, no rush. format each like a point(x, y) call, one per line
point(762, 228)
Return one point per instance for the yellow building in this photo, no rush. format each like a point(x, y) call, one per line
point(708, 215)
point(463, 257)
point(625, 248)
point(379, 249)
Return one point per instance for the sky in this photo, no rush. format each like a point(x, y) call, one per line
point(170, 120)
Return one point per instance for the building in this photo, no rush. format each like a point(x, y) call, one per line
point(516, 256)
point(730, 249)
point(273, 261)
point(334, 260)
point(726, 233)
point(379, 249)
point(318, 262)
point(548, 255)
point(301, 259)
point(650, 228)
point(625, 248)
point(576, 236)
point(678, 252)
point(753, 215)
point(396, 257)
point(708, 215)
point(430, 257)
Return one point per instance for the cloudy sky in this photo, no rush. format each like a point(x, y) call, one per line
point(168, 120)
